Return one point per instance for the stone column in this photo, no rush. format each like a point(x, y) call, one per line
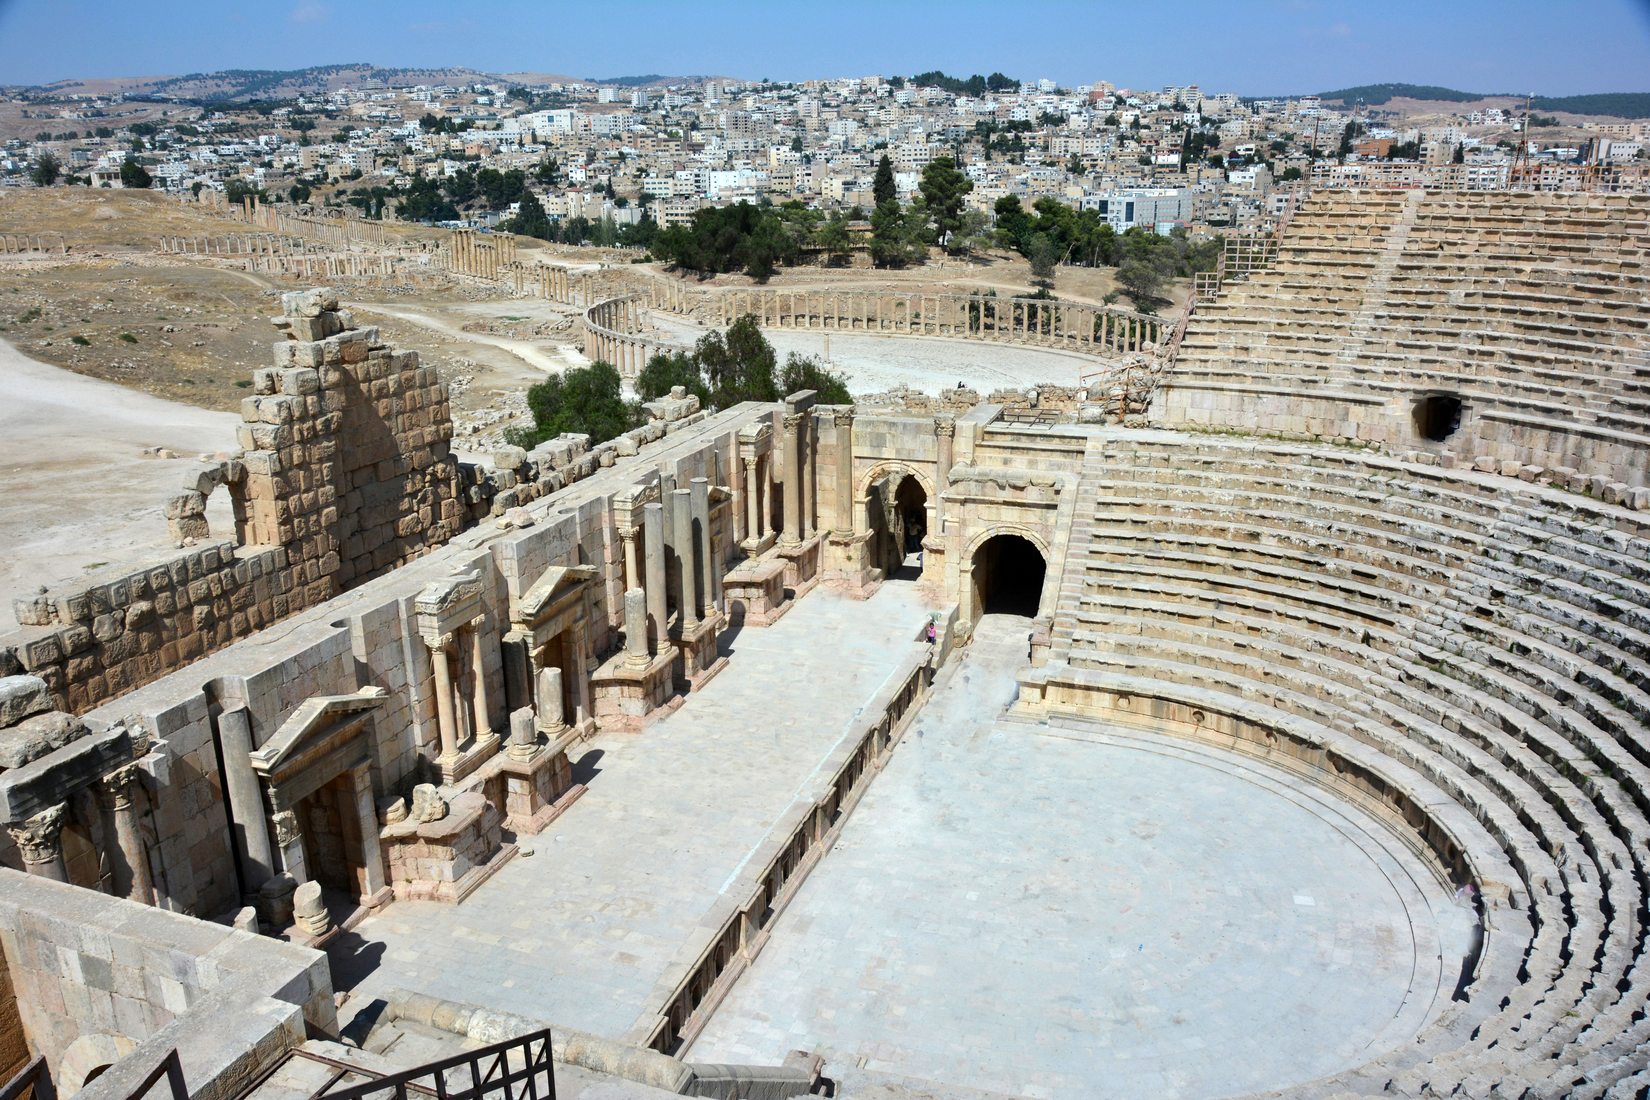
point(810, 462)
point(681, 503)
point(793, 479)
point(444, 717)
point(635, 628)
point(246, 799)
point(547, 694)
point(844, 419)
point(753, 501)
point(129, 861)
point(632, 566)
point(484, 714)
point(708, 569)
point(39, 842)
point(945, 429)
point(653, 540)
point(366, 815)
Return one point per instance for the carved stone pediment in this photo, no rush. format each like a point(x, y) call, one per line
point(554, 588)
point(324, 737)
point(756, 438)
point(445, 605)
point(628, 503)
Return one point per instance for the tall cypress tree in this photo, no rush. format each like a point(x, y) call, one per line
point(882, 188)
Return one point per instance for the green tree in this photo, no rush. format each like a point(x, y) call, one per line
point(738, 365)
point(974, 234)
point(804, 372)
point(1013, 223)
point(943, 188)
point(133, 174)
point(46, 170)
point(1044, 255)
point(676, 369)
point(882, 186)
point(530, 219)
point(833, 238)
point(898, 236)
point(589, 400)
point(235, 190)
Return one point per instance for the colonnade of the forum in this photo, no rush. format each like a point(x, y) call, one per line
point(469, 253)
point(12, 243)
point(611, 334)
point(339, 232)
point(553, 284)
point(235, 244)
point(1010, 320)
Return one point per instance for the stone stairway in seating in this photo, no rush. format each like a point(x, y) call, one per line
point(1529, 309)
point(1465, 654)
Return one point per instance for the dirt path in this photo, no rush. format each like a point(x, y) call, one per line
point(75, 489)
point(524, 350)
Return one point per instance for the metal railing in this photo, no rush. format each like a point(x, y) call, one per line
point(31, 1082)
point(516, 1069)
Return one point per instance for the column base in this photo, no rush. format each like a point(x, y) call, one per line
point(623, 694)
point(532, 793)
point(447, 860)
point(455, 769)
point(756, 546)
point(697, 656)
point(850, 567)
point(933, 561)
point(802, 565)
point(754, 592)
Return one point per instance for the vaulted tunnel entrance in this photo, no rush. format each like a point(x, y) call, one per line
point(898, 519)
point(1008, 576)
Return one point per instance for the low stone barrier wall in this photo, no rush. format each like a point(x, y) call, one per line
point(725, 947)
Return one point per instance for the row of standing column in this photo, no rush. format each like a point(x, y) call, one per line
point(1008, 319)
point(39, 838)
point(687, 535)
point(801, 438)
point(460, 716)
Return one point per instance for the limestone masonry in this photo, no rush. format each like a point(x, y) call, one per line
point(1374, 521)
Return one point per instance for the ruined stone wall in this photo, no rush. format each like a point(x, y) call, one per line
point(369, 637)
point(96, 977)
point(14, 1044)
point(122, 627)
point(349, 449)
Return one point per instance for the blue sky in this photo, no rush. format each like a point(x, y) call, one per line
point(1553, 47)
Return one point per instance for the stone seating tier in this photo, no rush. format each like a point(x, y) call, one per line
point(1527, 309)
point(1482, 636)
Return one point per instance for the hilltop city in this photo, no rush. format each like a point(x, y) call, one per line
point(604, 160)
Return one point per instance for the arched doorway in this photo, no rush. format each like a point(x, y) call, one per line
point(897, 516)
point(1008, 576)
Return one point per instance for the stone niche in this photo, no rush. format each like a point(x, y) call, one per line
point(549, 629)
point(452, 621)
point(317, 776)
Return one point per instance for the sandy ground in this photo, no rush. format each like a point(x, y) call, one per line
point(873, 364)
point(75, 489)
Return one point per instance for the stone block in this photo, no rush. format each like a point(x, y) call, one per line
point(22, 697)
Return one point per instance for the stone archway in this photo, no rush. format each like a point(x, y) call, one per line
point(896, 504)
point(85, 1059)
point(1007, 575)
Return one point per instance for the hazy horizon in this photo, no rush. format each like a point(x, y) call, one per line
point(1251, 47)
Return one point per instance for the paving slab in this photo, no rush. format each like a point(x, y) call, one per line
point(1039, 910)
point(579, 928)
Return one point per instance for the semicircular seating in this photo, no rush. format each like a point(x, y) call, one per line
point(1468, 653)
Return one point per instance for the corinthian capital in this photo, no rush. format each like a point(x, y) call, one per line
point(37, 837)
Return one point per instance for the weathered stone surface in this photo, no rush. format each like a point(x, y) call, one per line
point(38, 735)
point(21, 696)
